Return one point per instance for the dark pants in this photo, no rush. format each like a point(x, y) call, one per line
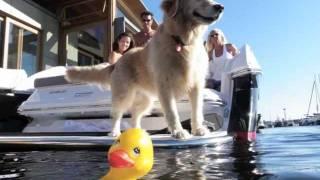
point(213, 84)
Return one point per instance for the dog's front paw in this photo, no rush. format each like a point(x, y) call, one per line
point(201, 131)
point(114, 133)
point(181, 134)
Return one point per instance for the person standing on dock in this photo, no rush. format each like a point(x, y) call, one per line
point(142, 37)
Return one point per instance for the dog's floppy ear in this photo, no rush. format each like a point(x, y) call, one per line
point(170, 7)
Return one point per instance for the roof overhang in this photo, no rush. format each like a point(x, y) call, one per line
point(84, 11)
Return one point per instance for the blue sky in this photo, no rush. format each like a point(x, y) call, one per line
point(285, 38)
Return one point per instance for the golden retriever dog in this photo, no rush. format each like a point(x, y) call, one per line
point(173, 64)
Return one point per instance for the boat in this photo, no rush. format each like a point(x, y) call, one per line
point(11, 96)
point(78, 115)
point(260, 123)
point(313, 118)
point(15, 88)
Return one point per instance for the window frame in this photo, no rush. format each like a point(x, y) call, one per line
point(2, 34)
point(92, 58)
point(77, 28)
point(5, 44)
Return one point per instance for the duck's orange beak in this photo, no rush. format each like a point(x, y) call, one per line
point(120, 159)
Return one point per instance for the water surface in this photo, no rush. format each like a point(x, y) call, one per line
point(278, 153)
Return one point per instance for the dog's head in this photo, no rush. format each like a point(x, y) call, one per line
point(196, 11)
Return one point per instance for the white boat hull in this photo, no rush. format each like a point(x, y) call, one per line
point(86, 108)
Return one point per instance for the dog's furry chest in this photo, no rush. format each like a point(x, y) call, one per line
point(178, 70)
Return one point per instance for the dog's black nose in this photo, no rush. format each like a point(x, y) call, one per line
point(218, 7)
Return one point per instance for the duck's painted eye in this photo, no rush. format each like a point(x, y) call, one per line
point(117, 141)
point(136, 150)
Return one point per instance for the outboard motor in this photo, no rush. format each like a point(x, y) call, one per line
point(243, 117)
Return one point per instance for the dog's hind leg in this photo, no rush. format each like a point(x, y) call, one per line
point(196, 99)
point(121, 101)
point(142, 104)
point(169, 106)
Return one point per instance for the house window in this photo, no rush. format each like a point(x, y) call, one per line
point(23, 47)
point(14, 40)
point(86, 59)
point(86, 46)
point(123, 24)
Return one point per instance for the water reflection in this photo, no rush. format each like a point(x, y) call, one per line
point(246, 161)
point(277, 154)
point(9, 166)
point(229, 161)
point(180, 164)
point(53, 165)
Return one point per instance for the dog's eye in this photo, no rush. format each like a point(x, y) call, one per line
point(136, 150)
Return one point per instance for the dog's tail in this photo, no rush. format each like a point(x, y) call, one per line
point(98, 74)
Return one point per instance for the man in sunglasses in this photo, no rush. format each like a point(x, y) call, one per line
point(142, 37)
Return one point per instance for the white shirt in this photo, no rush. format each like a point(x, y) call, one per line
point(217, 64)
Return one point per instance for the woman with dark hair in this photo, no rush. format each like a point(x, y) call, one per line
point(123, 43)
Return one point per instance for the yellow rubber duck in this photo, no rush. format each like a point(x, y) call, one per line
point(131, 156)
